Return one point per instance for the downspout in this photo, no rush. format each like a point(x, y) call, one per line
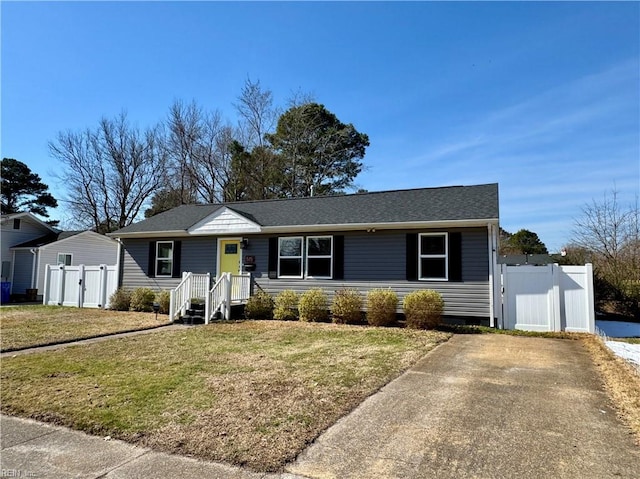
point(493, 293)
point(118, 262)
point(34, 267)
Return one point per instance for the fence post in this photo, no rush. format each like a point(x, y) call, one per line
point(61, 285)
point(172, 305)
point(506, 319)
point(80, 300)
point(227, 292)
point(556, 312)
point(102, 294)
point(591, 318)
point(47, 284)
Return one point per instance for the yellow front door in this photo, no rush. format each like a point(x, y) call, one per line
point(229, 256)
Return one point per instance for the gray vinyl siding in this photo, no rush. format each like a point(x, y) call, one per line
point(28, 231)
point(460, 299)
point(374, 256)
point(198, 255)
point(371, 260)
point(22, 271)
point(86, 249)
point(377, 260)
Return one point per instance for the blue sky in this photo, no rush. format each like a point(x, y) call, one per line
point(543, 98)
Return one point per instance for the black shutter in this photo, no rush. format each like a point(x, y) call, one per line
point(455, 256)
point(338, 257)
point(177, 253)
point(151, 271)
point(412, 257)
point(273, 258)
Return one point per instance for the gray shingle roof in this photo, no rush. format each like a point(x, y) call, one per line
point(50, 238)
point(452, 203)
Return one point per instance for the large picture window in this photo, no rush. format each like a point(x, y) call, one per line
point(432, 257)
point(290, 257)
point(319, 257)
point(164, 258)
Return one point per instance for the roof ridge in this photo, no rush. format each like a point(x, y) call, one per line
point(368, 193)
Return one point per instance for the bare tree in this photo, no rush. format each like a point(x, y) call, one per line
point(610, 232)
point(257, 114)
point(212, 169)
point(111, 172)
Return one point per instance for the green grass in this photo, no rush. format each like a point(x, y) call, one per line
point(27, 326)
point(251, 393)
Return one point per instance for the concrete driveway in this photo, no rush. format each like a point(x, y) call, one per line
point(482, 406)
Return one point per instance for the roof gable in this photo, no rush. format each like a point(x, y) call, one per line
point(224, 221)
point(7, 220)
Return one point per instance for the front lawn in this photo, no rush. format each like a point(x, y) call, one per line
point(252, 393)
point(26, 326)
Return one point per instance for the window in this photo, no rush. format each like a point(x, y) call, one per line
point(65, 258)
point(432, 256)
point(164, 258)
point(16, 223)
point(290, 257)
point(319, 256)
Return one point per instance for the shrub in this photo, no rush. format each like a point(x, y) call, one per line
point(381, 307)
point(423, 309)
point(120, 300)
point(346, 307)
point(286, 306)
point(314, 305)
point(164, 300)
point(259, 306)
point(142, 299)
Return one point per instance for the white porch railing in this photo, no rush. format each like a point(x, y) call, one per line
point(191, 286)
point(228, 289)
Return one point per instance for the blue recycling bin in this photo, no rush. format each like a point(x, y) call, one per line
point(5, 292)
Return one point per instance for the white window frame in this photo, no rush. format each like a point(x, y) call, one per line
point(330, 257)
point(70, 255)
point(158, 258)
point(445, 256)
point(301, 258)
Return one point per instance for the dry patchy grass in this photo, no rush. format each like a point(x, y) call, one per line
point(252, 394)
point(26, 326)
point(621, 381)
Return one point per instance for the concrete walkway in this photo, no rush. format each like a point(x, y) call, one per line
point(95, 339)
point(484, 406)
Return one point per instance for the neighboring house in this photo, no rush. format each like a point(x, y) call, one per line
point(29, 245)
point(15, 229)
point(431, 238)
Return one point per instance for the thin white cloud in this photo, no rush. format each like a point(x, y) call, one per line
point(551, 154)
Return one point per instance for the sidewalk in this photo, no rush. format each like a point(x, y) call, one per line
point(33, 449)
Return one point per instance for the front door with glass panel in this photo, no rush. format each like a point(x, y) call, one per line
point(229, 256)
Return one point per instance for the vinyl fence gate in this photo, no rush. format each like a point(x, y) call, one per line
point(548, 298)
point(81, 286)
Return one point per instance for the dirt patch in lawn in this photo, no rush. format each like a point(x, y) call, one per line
point(27, 326)
point(252, 394)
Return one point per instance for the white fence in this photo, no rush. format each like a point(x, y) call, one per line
point(548, 298)
point(81, 286)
